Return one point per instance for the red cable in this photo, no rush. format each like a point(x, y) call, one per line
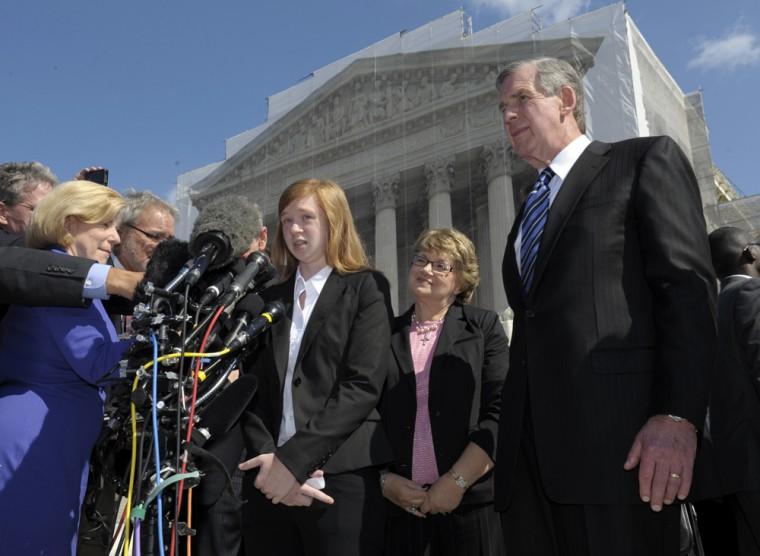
point(191, 422)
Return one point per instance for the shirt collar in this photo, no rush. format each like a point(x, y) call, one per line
point(568, 156)
point(316, 282)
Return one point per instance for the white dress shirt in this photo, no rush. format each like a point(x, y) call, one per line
point(561, 166)
point(313, 287)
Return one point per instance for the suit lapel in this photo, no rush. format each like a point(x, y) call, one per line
point(574, 186)
point(453, 326)
point(281, 331)
point(328, 298)
point(402, 351)
point(510, 273)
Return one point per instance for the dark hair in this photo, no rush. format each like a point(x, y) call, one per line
point(727, 247)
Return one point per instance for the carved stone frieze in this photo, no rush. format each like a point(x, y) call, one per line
point(485, 115)
point(385, 191)
point(372, 108)
point(452, 126)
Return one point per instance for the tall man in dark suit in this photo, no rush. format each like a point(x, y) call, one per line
point(735, 389)
point(607, 270)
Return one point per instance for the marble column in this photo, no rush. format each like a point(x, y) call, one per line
point(485, 290)
point(385, 195)
point(497, 168)
point(439, 177)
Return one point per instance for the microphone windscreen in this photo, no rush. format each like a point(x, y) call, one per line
point(167, 260)
point(234, 216)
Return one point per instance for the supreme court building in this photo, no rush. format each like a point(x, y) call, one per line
point(410, 128)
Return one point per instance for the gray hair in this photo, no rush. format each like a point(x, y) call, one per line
point(137, 202)
point(551, 75)
point(16, 178)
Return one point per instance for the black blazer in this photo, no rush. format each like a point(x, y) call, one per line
point(38, 277)
point(618, 326)
point(337, 383)
point(464, 400)
point(735, 388)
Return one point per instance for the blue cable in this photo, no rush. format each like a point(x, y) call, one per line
point(155, 444)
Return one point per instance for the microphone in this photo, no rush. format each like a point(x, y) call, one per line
point(247, 307)
point(256, 263)
point(211, 250)
point(164, 266)
point(221, 282)
point(273, 312)
point(222, 232)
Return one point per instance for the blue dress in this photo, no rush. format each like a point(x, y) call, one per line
point(51, 412)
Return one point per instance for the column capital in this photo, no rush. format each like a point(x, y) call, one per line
point(385, 191)
point(439, 175)
point(497, 160)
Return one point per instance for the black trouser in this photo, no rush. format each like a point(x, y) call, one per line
point(534, 525)
point(217, 509)
point(470, 530)
point(353, 526)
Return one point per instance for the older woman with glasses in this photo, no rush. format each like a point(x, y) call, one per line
point(441, 407)
point(52, 363)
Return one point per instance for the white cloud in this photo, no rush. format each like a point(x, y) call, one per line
point(737, 48)
point(549, 10)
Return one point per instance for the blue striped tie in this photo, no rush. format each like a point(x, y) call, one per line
point(534, 219)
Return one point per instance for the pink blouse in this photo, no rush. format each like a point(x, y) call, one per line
point(423, 337)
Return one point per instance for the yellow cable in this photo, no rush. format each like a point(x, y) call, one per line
point(133, 412)
point(225, 351)
point(133, 464)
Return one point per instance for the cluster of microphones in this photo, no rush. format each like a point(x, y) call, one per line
point(211, 269)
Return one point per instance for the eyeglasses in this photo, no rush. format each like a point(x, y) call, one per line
point(439, 267)
point(151, 235)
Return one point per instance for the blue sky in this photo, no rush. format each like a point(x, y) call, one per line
point(152, 89)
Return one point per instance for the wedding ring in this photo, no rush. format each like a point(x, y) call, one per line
point(675, 476)
point(413, 509)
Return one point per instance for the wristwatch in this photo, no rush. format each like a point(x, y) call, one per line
point(460, 481)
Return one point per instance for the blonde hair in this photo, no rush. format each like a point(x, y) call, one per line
point(92, 203)
point(345, 252)
point(453, 244)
